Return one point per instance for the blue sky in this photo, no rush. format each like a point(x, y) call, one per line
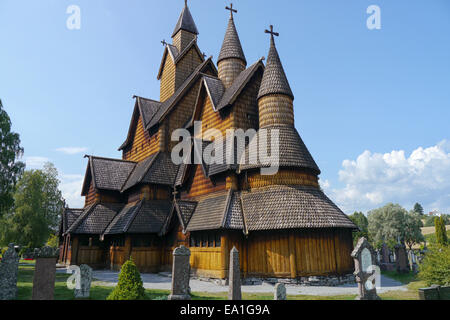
point(373, 106)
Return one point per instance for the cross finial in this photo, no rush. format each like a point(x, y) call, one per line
point(204, 55)
point(185, 3)
point(164, 43)
point(231, 10)
point(272, 33)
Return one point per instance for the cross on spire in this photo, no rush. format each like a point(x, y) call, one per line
point(185, 3)
point(231, 10)
point(272, 33)
point(164, 43)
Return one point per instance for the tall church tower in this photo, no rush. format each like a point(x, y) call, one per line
point(231, 60)
point(185, 31)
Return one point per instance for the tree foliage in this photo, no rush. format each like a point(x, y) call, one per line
point(418, 209)
point(441, 231)
point(435, 267)
point(413, 229)
point(361, 221)
point(10, 168)
point(37, 209)
point(130, 286)
point(387, 224)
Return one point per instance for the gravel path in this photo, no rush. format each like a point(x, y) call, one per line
point(157, 281)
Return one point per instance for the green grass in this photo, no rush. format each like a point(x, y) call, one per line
point(98, 292)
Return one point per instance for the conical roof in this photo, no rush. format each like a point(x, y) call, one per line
point(231, 47)
point(274, 80)
point(185, 22)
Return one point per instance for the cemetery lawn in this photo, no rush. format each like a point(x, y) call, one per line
point(25, 286)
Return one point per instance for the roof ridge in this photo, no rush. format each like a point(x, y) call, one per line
point(135, 213)
point(153, 156)
point(109, 159)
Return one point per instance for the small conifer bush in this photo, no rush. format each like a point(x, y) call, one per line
point(130, 286)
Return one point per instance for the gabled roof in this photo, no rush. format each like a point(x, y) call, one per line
point(177, 56)
point(291, 207)
point(95, 219)
point(185, 22)
point(145, 108)
point(156, 169)
point(292, 151)
point(107, 174)
point(231, 46)
point(274, 80)
point(184, 210)
point(167, 105)
point(68, 217)
point(214, 88)
point(210, 213)
point(143, 217)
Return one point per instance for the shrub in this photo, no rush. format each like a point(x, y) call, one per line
point(435, 267)
point(130, 286)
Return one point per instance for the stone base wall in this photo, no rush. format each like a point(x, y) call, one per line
point(326, 281)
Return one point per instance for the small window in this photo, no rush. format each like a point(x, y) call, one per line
point(218, 238)
point(210, 240)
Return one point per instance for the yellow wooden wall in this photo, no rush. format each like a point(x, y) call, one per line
point(143, 145)
point(92, 256)
point(201, 185)
point(167, 85)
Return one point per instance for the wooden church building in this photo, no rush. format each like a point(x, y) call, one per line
point(143, 205)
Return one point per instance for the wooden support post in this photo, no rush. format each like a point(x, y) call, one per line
point(127, 253)
point(292, 255)
point(224, 252)
point(75, 246)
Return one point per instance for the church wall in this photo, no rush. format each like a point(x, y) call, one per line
point(167, 85)
point(182, 38)
point(143, 145)
point(186, 66)
point(212, 120)
point(276, 110)
point(245, 109)
point(202, 185)
point(283, 177)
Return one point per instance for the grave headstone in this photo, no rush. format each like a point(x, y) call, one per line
point(85, 282)
point(9, 268)
point(364, 258)
point(44, 273)
point(401, 261)
point(385, 254)
point(234, 289)
point(280, 292)
point(180, 274)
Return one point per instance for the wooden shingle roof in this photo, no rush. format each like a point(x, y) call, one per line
point(231, 46)
point(274, 80)
point(95, 219)
point(291, 207)
point(68, 217)
point(292, 151)
point(185, 22)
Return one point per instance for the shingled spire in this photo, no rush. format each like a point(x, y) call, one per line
point(274, 80)
point(275, 98)
point(185, 30)
point(231, 60)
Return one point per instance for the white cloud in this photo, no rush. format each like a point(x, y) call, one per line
point(374, 179)
point(35, 162)
point(72, 150)
point(70, 187)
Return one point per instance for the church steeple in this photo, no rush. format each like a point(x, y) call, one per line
point(275, 98)
point(231, 60)
point(185, 30)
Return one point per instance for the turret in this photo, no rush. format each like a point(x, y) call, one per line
point(275, 98)
point(185, 30)
point(231, 60)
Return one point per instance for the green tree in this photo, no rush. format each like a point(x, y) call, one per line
point(418, 209)
point(435, 267)
point(38, 206)
point(361, 221)
point(441, 231)
point(10, 168)
point(130, 286)
point(413, 229)
point(387, 224)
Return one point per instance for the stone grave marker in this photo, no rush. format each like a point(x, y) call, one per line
point(44, 273)
point(9, 268)
point(364, 258)
point(401, 261)
point(280, 292)
point(234, 289)
point(85, 283)
point(385, 254)
point(181, 270)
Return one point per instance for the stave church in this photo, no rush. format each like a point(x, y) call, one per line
point(145, 205)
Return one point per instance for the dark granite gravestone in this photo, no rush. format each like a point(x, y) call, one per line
point(434, 293)
point(9, 268)
point(401, 262)
point(384, 254)
point(234, 289)
point(180, 274)
point(44, 273)
point(364, 258)
point(85, 282)
point(280, 292)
